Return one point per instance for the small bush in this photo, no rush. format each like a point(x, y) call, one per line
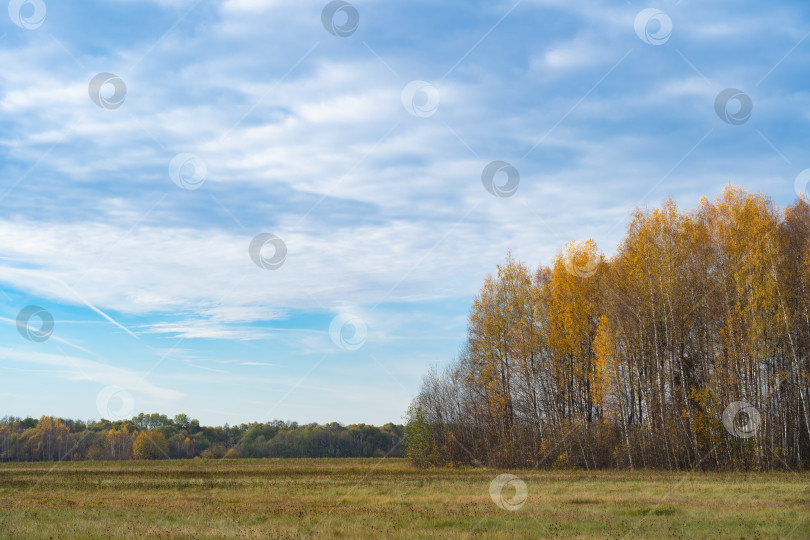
point(215, 451)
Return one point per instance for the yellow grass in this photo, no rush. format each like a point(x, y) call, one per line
point(372, 498)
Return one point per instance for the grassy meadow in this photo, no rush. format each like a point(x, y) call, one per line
point(373, 498)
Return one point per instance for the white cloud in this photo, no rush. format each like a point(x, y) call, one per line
point(81, 369)
point(404, 210)
point(581, 52)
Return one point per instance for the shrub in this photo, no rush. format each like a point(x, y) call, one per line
point(150, 445)
point(215, 451)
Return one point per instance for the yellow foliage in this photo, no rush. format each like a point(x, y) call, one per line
point(150, 445)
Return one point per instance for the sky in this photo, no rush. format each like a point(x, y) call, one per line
point(247, 210)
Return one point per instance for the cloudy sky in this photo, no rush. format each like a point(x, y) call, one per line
point(258, 209)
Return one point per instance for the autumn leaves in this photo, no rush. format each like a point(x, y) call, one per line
point(633, 361)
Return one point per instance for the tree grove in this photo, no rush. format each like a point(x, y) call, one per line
point(686, 349)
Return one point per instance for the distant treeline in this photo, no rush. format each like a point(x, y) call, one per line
point(689, 348)
point(155, 436)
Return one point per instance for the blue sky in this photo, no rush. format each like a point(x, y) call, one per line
point(363, 153)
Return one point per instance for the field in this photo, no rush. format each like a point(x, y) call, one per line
point(372, 498)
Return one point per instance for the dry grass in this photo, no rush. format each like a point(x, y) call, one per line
point(370, 498)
